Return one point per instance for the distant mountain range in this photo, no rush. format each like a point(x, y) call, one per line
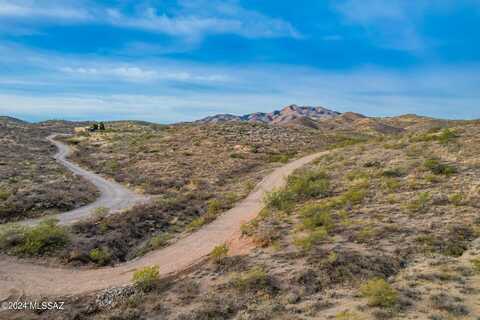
point(283, 116)
point(313, 117)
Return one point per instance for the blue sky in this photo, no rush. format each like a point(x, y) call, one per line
point(179, 60)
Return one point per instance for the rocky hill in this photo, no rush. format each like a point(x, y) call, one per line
point(283, 116)
point(318, 118)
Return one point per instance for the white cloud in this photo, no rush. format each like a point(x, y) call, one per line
point(193, 25)
point(137, 74)
point(47, 10)
point(125, 73)
point(190, 23)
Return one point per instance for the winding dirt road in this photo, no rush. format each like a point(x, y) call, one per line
point(113, 195)
point(18, 277)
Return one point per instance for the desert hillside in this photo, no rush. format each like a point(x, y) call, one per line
point(32, 184)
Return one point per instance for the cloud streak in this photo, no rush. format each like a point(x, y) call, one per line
point(191, 23)
point(27, 9)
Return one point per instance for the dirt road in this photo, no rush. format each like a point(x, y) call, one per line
point(113, 195)
point(32, 280)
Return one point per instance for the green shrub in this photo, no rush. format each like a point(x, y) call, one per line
point(357, 174)
point(44, 238)
point(391, 184)
point(394, 173)
point(280, 158)
point(303, 188)
point(214, 208)
point(344, 141)
point(196, 223)
point(219, 253)
point(237, 156)
point(11, 235)
point(313, 238)
point(309, 184)
point(446, 136)
point(420, 203)
point(101, 212)
point(456, 199)
point(476, 265)
point(436, 167)
point(280, 200)
point(4, 194)
point(347, 315)
point(112, 165)
point(365, 234)
point(254, 280)
point(379, 293)
point(159, 241)
point(147, 278)
point(316, 216)
point(230, 198)
point(353, 196)
point(249, 228)
point(100, 256)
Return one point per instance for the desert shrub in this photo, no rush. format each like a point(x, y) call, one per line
point(280, 158)
point(456, 199)
point(253, 280)
point(420, 203)
point(159, 240)
point(146, 279)
point(280, 200)
point(236, 155)
point(112, 166)
point(229, 199)
point(454, 243)
point(196, 224)
point(44, 238)
point(212, 307)
point(307, 242)
point(249, 228)
point(100, 256)
point(347, 315)
point(316, 216)
point(436, 167)
point(365, 234)
point(4, 194)
point(379, 293)
point(187, 290)
point(357, 174)
point(308, 184)
point(353, 196)
point(391, 184)
point(101, 212)
point(345, 141)
point(219, 253)
point(11, 235)
point(446, 136)
point(266, 234)
point(449, 304)
point(476, 265)
point(393, 173)
point(214, 208)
